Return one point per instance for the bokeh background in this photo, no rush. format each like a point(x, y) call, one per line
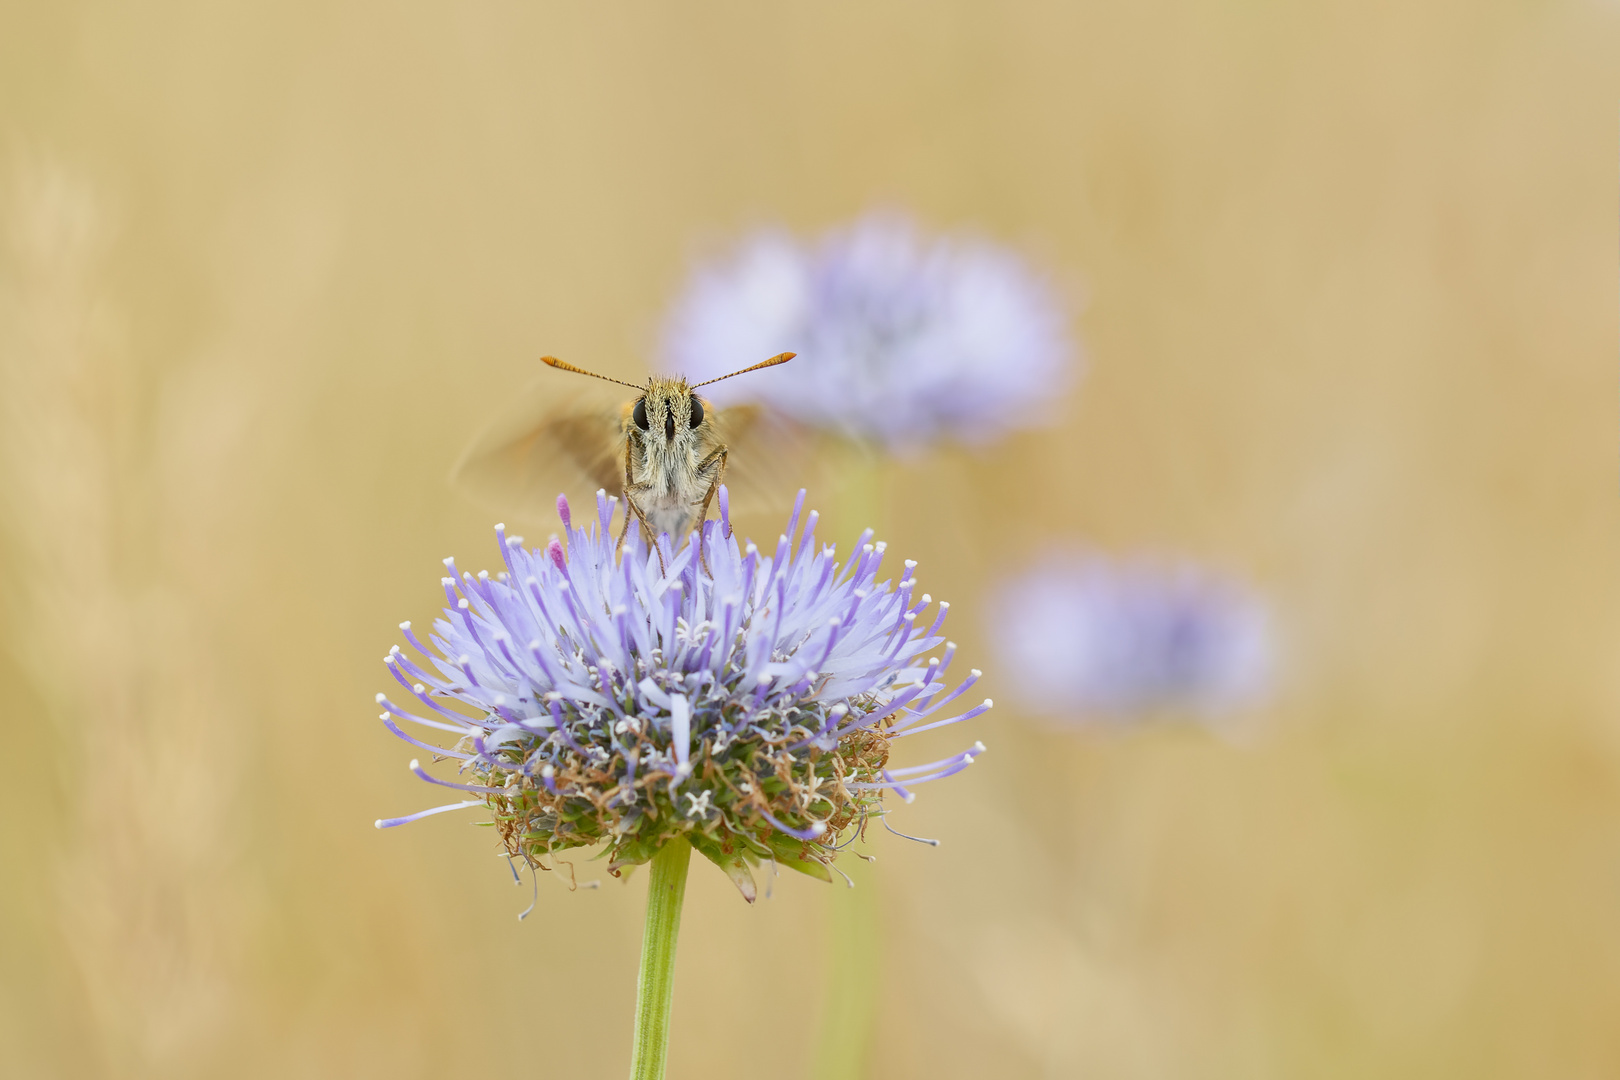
point(1345, 274)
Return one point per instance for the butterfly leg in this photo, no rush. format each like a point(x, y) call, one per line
point(651, 541)
point(717, 459)
point(633, 512)
point(624, 530)
point(630, 508)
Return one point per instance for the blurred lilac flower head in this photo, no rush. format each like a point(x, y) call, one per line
point(1093, 639)
point(903, 339)
point(623, 697)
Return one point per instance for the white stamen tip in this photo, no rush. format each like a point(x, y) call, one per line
point(548, 771)
point(419, 688)
point(415, 764)
point(817, 828)
point(910, 797)
point(381, 698)
point(978, 747)
point(406, 625)
point(462, 604)
point(500, 526)
point(451, 561)
point(989, 704)
point(378, 823)
point(389, 659)
point(975, 672)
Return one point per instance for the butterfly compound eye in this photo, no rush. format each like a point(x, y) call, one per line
point(640, 414)
point(697, 411)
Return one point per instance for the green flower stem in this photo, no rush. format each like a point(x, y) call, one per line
point(850, 1000)
point(656, 985)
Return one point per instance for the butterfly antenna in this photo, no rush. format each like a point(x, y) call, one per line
point(779, 358)
point(566, 366)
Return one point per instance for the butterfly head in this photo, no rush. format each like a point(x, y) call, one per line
point(668, 411)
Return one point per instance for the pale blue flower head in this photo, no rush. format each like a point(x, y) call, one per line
point(747, 702)
point(903, 338)
point(1090, 639)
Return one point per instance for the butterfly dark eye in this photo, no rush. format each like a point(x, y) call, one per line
point(640, 414)
point(697, 411)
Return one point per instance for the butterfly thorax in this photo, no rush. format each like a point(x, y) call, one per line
point(671, 455)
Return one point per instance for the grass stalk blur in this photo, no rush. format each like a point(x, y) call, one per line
point(852, 992)
point(850, 1010)
point(655, 987)
point(108, 519)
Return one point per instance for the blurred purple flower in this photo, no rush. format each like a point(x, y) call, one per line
point(1093, 639)
point(902, 338)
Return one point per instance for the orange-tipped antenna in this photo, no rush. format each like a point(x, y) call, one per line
point(779, 358)
point(566, 366)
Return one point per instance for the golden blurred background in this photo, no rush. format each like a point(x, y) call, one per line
point(1345, 275)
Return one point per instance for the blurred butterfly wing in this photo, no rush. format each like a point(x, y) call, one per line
point(554, 444)
point(768, 459)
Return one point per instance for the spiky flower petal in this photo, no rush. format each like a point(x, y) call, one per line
point(622, 698)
